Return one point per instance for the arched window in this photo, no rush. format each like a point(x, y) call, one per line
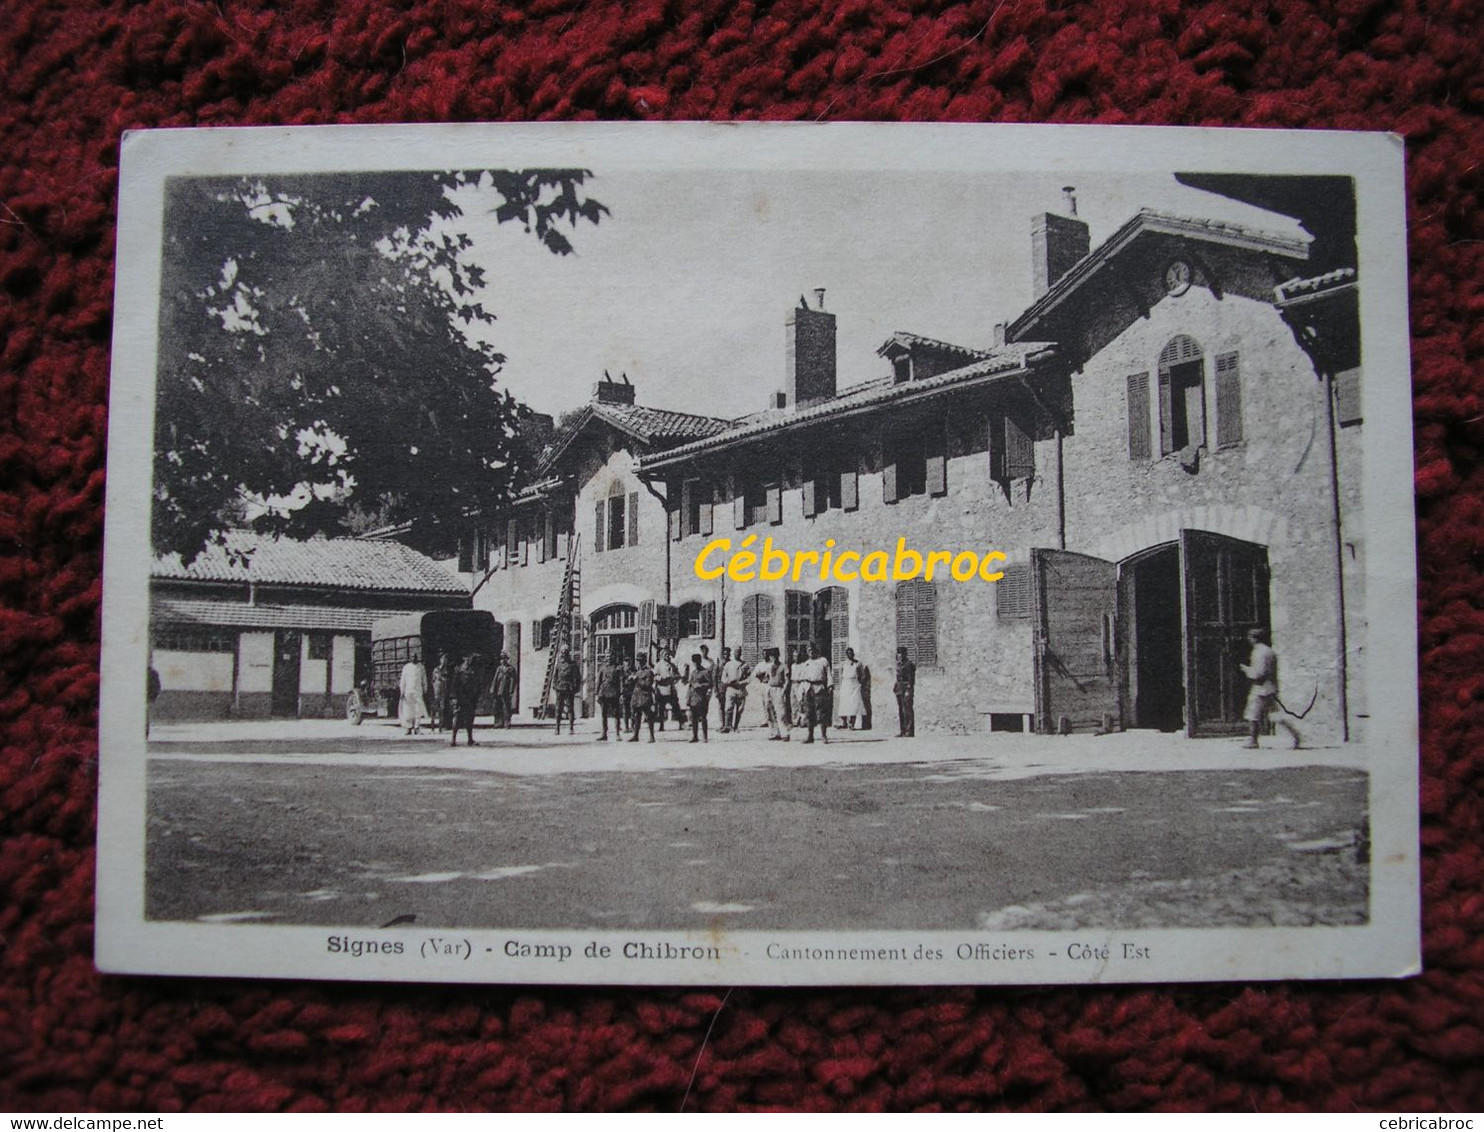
point(917, 620)
point(1182, 395)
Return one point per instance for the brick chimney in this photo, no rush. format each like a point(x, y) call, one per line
point(610, 392)
point(1057, 242)
point(809, 352)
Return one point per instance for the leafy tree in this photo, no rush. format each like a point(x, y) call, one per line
point(323, 355)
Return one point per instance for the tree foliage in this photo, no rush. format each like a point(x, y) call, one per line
point(323, 354)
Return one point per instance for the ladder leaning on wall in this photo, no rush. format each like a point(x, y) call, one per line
point(568, 608)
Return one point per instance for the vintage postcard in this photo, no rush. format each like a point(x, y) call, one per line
point(768, 554)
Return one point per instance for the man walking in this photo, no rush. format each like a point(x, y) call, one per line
point(610, 694)
point(1262, 701)
point(468, 684)
point(566, 682)
point(641, 699)
point(905, 689)
point(698, 692)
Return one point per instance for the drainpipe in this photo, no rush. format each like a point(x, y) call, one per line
point(1061, 495)
point(1342, 662)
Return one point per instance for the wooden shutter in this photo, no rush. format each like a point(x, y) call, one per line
point(667, 622)
point(811, 498)
point(775, 505)
point(937, 474)
point(551, 534)
point(1138, 416)
point(1013, 593)
point(850, 490)
point(1347, 397)
point(926, 623)
point(538, 641)
point(481, 550)
point(889, 489)
point(1228, 400)
point(512, 542)
point(739, 509)
point(687, 501)
point(705, 520)
point(708, 621)
point(1020, 451)
point(644, 631)
point(525, 549)
point(749, 629)
point(906, 619)
point(542, 522)
point(674, 518)
point(1166, 413)
point(600, 526)
point(466, 554)
point(633, 518)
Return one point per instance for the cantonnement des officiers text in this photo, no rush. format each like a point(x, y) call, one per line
point(772, 564)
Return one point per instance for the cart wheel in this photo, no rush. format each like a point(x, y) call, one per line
point(353, 708)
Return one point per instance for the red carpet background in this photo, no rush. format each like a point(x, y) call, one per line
point(75, 75)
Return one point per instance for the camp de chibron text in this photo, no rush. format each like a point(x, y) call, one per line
point(769, 563)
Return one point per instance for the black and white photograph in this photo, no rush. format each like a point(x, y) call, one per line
point(760, 554)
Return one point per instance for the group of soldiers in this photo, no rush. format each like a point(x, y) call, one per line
point(458, 684)
point(634, 691)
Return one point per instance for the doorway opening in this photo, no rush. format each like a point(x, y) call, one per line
point(1153, 640)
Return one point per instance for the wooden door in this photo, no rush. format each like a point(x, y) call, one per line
point(1226, 595)
point(1076, 599)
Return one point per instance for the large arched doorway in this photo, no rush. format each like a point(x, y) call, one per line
point(615, 633)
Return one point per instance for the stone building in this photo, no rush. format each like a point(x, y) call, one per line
point(1164, 444)
point(280, 628)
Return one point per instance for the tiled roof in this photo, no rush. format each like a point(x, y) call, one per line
point(649, 426)
point(1316, 285)
point(1163, 223)
point(241, 615)
point(1001, 362)
point(908, 339)
point(334, 563)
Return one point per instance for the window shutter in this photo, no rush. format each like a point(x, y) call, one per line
point(811, 498)
point(512, 542)
point(850, 490)
point(775, 505)
point(1166, 413)
point(764, 623)
point(1138, 416)
point(1020, 451)
point(537, 640)
point(706, 508)
point(481, 550)
point(1013, 593)
point(600, 510)
point(1347, 397)
point(674, 526)
point(937, 474)
point(644, 631)
point(708, 621)
point(525, 549)
point(739, 510)
point(633, 518)
point(906, 620)
point(551, 535)
point(889, 483)
point(687, 501)
point(1228, 400)
point(466, 555)
point(927, 623)
point(749, 629)
point(541, 528)
point(667, 618)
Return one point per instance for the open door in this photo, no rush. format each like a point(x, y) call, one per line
point(1076, 599)
point(1226, 594)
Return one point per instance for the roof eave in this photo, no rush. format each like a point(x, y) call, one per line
point(901, 395)
point(1132, 229)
